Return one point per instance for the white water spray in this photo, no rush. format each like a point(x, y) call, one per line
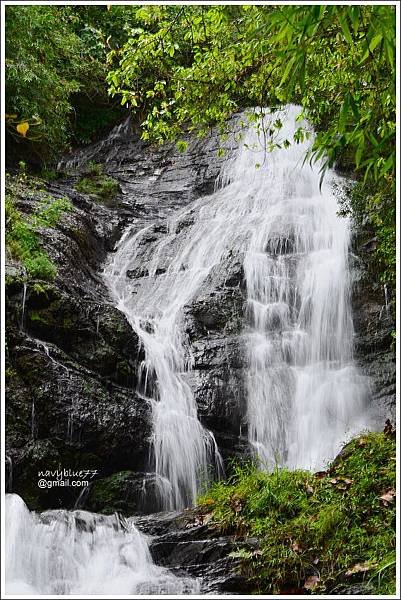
point(305, 395)
point(77, 552)
point(184, 451)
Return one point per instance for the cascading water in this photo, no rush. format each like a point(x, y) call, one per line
point(304, 393)
point(305, 396)
point(183, 449)
point(77, 552)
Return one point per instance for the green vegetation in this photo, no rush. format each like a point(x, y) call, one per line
point(193, 67)
point(110, 494)
point(70, 70)
point(22, 231)
point(374, 210)
point(321, 532)
point(55, 76)
point(97, 183)
point(44, 67)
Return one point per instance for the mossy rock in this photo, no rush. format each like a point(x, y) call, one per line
point(94, 182)
point(111, 494)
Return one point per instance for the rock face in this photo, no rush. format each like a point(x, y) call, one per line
point(187, 545)
point(214, 323)
point(373, 324)
point(73, 359)
point(71, 363)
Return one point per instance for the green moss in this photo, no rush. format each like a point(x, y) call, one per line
point(40, 289)
point(36, 316)
point(107, 494)
point(96, 183)
point(373, 208)
point(68, 323)
point(49, 174)
point(10, 373)
point(315, 525)
point(22, 231)
point(40, 266)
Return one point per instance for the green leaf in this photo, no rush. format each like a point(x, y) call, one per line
point(354, 107)
point(287, 70)
point(354, 15)
point(389, 47)
point(342, 122)
point(344, 26)
point(389, 164)
point(359, 151)
point(181, 146)
point(375, 41)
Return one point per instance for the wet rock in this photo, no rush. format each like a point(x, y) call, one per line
point(125, 492)
point(74, 358)
point(155, 183)
point(137, 273)
point(373, 325)
point(186, 544)
point(60, 414)
point(214, 322)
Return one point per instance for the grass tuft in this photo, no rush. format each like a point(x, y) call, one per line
point(96, 183)
point(317, 533)
point(22, 230)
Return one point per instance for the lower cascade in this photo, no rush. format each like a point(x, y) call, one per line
point(77, 552)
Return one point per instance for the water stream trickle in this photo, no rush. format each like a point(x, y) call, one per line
point(23, 305)
point(9, 474)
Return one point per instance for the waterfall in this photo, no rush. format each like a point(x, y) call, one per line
point(77, 552)
point(183, 450)
point(305, 396)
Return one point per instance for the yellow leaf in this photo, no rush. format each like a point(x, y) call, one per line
point(22, 128)
point(360, 568)
point(109, 7)
point(11, 116)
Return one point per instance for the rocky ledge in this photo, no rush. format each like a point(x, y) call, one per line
point(189, 545)
point(72, 358)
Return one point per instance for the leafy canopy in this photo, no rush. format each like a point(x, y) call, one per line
point(55, 75)
point(192, 67)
